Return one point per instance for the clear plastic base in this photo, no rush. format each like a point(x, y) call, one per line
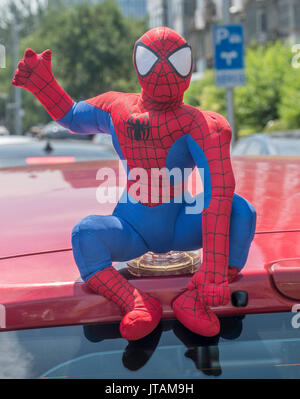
point(165, 264)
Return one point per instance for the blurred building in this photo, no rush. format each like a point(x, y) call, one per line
point(130, 8)
point(268, 20)
point(263, 20)
point(193, 19)
point(136, 8)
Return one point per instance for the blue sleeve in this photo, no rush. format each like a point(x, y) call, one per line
point(85, 118)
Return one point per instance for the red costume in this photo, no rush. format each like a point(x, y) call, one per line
point(154, 129)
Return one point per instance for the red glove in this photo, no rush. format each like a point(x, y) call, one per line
point(211, 293)
point(192, 307)
point(34, 74)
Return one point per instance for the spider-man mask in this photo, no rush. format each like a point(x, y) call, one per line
point(163, 62)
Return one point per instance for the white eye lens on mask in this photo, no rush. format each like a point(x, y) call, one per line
point(181, 61)
point(145, 59)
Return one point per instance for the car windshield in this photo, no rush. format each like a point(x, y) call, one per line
point(286, 146)
point(252, 346)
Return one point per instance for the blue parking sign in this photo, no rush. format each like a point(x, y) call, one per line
point(229, 55)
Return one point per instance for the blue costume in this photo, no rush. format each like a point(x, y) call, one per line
point(154, 130)
point(135, 228)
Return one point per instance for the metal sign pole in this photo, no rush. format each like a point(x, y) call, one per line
point(15, 56)
point(229, 90)
point(230, 112)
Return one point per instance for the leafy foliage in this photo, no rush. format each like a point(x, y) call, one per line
point(205, 94)
point(269, 98)
point(28, 14)
point(289, 107)
point(91, 51)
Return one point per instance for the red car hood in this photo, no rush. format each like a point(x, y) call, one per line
point(40, 284)
point(41, 204)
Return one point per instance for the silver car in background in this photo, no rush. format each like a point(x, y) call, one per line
point(275, 143)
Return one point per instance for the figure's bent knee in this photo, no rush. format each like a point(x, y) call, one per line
point(244, 211)
point(242, 230)
point(89, 228)
point(89, 250)
point(86, 224)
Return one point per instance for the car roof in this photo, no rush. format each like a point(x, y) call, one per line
point(276, 133)
point(40, 282)
point(22, 150)
point(15, 140)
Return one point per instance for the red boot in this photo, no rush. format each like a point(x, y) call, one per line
point(142, 312)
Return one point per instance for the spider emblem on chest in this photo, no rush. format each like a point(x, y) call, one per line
point(138, 129)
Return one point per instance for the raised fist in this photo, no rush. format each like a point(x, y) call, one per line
point(34, 71)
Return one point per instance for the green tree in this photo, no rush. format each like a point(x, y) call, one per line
point(205, 94)
point(261, 100)
point(28, 13)
point(91, 51)
point(257, 103)
point(289, 107)
point(92, 48)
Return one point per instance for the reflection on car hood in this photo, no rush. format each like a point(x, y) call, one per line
point(41, 204)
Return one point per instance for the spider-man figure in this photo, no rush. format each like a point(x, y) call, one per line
point(155, 130)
